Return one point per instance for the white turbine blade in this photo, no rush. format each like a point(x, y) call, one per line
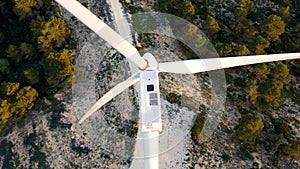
point(104, 31)
point(110, 95)
point(202, 65)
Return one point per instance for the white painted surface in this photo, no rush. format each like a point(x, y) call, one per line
point(151, 149)
point(139, 162)
point(110, 95)
point(176, 123)
point(202, 65)
point(150, 113)
point(104, 31)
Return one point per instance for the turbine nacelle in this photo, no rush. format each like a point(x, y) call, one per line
point(150, 112)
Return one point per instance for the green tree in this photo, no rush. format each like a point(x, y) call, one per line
point(261, 44)
point(53, 33)
point(5, 112)
point(197, 128)
point(212, 25)
point(18, 101)
point(242, 50)
point(282, 127)
point(36, 27)
point(250, 32)
point(4, 66)
point(273, 26)
point(14, 53)
point(241, 12)
point(248, 4)
point(262, 71)
point(284, 12)
point(281, 72)
point(252, 92)
point(271, 84)
point(24, 5)
point(225, 50)
point(293, 150)
point(272, 93)
point(188, 9)
point(25, 100)
point(23, 8)
point(249, 128)
point(59, 67)
point(31, 75)
point(26, 50)
point(9, 88)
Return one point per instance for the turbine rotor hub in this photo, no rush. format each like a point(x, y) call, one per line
point(146, 67)
point(152, 64)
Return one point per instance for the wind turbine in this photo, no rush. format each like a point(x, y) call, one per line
point(150, 112)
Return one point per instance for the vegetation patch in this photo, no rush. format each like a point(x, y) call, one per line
point(244, 153)
point(133, 9)
point(7, 154)
point(226, 157)
point(249, 128)
point(34, 145)
point(282, 127)
point(197, 127)
point(146, 40)
point(79, 149)
point(34, 58)
point(73, 165)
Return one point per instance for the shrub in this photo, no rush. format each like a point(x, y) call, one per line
point(249, 128)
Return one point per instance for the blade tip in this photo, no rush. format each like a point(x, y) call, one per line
point(81, 121)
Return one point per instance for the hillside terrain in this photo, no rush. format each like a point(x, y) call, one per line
point(259, 108)
point(259, 127)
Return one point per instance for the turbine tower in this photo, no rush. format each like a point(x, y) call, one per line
point(147, 76)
